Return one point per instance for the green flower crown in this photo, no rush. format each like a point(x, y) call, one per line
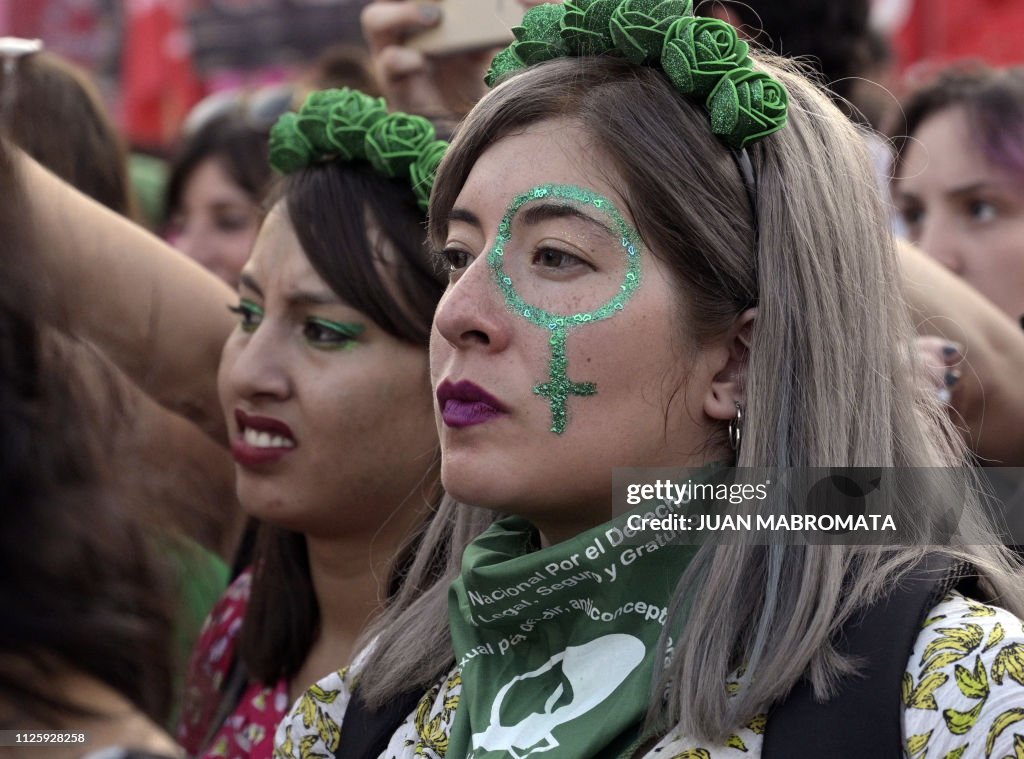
point(704, 57)
point(348, 125)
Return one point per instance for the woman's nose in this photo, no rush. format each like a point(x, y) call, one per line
point(942, 241)
point(471, 313)
point(258, 366)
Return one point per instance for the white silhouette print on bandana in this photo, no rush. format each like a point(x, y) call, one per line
point(593, 671)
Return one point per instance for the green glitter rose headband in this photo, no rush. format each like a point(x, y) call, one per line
point(348, 125)
point(703, 57)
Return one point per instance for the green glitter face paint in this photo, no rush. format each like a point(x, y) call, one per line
point(559, 388)
point(325, 334)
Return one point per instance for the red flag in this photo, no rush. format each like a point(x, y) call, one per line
point(158, 82)
point(941, 31)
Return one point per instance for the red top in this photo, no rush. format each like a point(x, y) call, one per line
point(248, 733)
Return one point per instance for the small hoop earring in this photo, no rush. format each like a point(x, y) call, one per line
point(736, 429)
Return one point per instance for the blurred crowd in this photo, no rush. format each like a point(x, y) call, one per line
point(166, 596)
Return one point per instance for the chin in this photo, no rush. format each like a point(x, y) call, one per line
point(268, 504)
point(470, 480)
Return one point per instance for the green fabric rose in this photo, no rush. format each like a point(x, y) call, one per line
point(639, 26)
point(289, 148)
point(700, 51)
point(314, 116)
point(352, 116)
point(539, 38)
point(424, 169)
point(585, 26)
point(396, 141)
point(747, 105)
point(504, 63)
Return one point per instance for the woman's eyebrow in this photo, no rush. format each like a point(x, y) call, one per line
point(973, 187)
point(246, 279)
point(541, 212)
point(297, 298)
point(466, 216)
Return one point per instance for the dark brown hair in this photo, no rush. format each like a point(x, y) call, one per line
point(240, 146)
point(56, 115)
point(80, 586)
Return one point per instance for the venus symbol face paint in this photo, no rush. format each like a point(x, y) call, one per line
point(565, 199)
point(543, 249)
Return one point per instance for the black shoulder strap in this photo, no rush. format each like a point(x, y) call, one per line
point(865, 717)
point(365, 732)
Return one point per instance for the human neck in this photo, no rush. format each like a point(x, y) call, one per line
point(349, 582)
point(350, 578)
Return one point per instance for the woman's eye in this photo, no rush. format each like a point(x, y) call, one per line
point(249, 315)
point(231, 223)
point(326, 334)
point(550, 258)
point(454, 259)
point(176, 225)
point(982, 210)
point(912, 215)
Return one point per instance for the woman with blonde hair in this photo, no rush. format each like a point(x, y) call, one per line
point(664, 252)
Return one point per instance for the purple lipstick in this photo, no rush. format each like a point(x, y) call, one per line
point(464, 404)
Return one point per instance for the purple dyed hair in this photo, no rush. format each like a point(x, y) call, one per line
point(993, 100)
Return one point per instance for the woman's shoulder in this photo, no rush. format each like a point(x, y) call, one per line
point(211, 662)
point(963, 689)
point(313, 725)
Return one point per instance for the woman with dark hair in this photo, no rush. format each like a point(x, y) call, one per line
point(958, 186)
point(51, 110)
point(86, 633)
point(666, 250)
point(322, 394)
point(216, 184)
point(959, 178)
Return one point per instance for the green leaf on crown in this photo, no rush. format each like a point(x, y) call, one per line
point(747, 105)
point(586, 26)
point(313, 118)
point(504, 63)
point(539, 37)
point(289, 148)
point(698, 52)
point(424, 169)
point(396, 141)
point(352, 116)
point(638, 27)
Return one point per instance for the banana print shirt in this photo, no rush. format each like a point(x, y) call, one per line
point(962, 693)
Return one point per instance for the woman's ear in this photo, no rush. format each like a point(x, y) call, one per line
point(728, 386)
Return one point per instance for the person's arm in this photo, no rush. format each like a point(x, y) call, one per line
point(160, 317)
point(988, 399)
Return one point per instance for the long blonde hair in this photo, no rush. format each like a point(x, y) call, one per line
point(828, 380)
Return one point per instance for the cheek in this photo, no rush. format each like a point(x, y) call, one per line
point(640, 388)
point(1008, 244)
point(225, 371)
point(396, 388)
point(440, 351)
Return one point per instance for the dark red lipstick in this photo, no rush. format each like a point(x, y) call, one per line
point(261, 440)
point(464, 404)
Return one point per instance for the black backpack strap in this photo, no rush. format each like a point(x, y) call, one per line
point(365, 732)
point(865, 717)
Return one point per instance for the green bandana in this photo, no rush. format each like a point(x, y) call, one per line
point(557, 645)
